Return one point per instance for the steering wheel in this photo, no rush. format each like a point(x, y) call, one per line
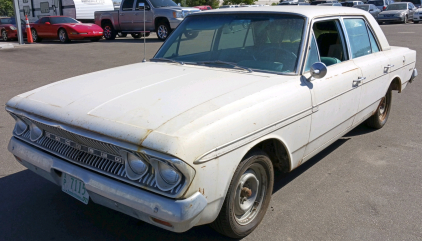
point(287, 56)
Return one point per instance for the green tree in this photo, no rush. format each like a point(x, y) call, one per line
point(6, 8)
point(191, 3)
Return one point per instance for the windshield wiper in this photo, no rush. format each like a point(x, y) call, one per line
point(227, 63)
point(168, 60)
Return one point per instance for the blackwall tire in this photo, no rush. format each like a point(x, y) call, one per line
point(248, 197)
point(35, 36)
point(4, 36)
point(380, 117)
point(136, 35)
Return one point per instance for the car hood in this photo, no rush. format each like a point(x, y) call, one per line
point(393, 12)
point(163, 102)
point(84, 26)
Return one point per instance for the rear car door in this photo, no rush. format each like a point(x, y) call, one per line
point(126, 15)
point(139, 16)
point(372, 63)
point(335, 98)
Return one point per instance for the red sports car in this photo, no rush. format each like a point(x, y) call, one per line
point(64, 29)
point(9, 30)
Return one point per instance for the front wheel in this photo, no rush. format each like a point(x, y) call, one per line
point(109, 32)
point(380, 117)
point(4, 35)
point(63, 37)
point(163, 31)
point(248, 197)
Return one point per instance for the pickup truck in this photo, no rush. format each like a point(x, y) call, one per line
point(161, 16)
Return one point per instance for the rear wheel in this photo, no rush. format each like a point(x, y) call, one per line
point(63, 37)
point(136, 35)
point(4, 35)
point(380, 117)
point(248, 197)
point(163, 30)
point(109, 32)
point(35, 36)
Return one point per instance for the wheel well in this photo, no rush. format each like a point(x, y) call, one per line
point(277, 152)
point(105, 21)
point(58, 30)
point(396, 84)
point(159, 20)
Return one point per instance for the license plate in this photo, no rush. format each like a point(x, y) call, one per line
point(75, 188)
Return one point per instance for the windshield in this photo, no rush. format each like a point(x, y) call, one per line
point(162, 3)
point(397, 7)
point(269, 42)
point(7, 21)
point(57, 20)
point(366, 8)
point(377, 3)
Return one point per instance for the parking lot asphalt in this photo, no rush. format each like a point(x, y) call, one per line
point(365, 186)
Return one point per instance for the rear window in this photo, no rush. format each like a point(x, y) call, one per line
point(376, 3)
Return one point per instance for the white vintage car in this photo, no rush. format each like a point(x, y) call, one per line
point(193, 136)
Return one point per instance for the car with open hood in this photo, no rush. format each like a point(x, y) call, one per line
point(195, 139)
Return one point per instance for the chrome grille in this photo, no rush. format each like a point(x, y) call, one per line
point(93, 162)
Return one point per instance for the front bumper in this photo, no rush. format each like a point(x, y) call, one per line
point(390, 19)
point(174, 22)
point(138, 203)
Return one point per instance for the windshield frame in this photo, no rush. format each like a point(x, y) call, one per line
point(301, 46)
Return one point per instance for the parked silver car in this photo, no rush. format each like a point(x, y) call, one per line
point(397, 12)
point(371, 8)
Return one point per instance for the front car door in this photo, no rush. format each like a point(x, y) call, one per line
point(43, 28)
point(139, 16)
point(126, 15)
point(366, 54)
point(335, 98)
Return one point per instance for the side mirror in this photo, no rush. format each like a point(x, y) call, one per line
point(318, 70)
point(47, 23)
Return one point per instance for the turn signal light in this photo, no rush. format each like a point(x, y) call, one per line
point(162, 222)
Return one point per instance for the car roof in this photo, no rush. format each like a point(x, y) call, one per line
point(307, 11)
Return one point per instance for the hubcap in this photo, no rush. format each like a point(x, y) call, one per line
point(383, 108)
point(107, 32)
point(62, 35)
point(250, 193)
point(162, 31)
point(4, 34)
point(34, 35)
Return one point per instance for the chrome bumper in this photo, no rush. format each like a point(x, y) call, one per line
point(414, 75)
point(133, 201)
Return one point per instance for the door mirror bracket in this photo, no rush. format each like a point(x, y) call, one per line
point(318, 70)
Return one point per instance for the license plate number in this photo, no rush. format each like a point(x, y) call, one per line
point(75, 188)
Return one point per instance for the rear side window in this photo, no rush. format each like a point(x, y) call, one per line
point(127, 5)
point(374, 45)
point(358, 37)
point(313, 55)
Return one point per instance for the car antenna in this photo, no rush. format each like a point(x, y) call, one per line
point(144, 35)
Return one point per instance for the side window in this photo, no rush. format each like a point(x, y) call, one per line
point(358, 37)
point(374, 46)
point(44, 20)
point(313, 55)
point(127, 5)
point(330, 41)
point(137, 8)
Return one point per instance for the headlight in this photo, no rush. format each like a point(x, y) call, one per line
point(35, 132)
point(166, 175)
point(13, 28)
point(178, 14)
point(135, 166)
point(20, 126)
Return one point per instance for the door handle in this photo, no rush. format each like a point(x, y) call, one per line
point(390, 66)
point(122, 14)
point(359, 80)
